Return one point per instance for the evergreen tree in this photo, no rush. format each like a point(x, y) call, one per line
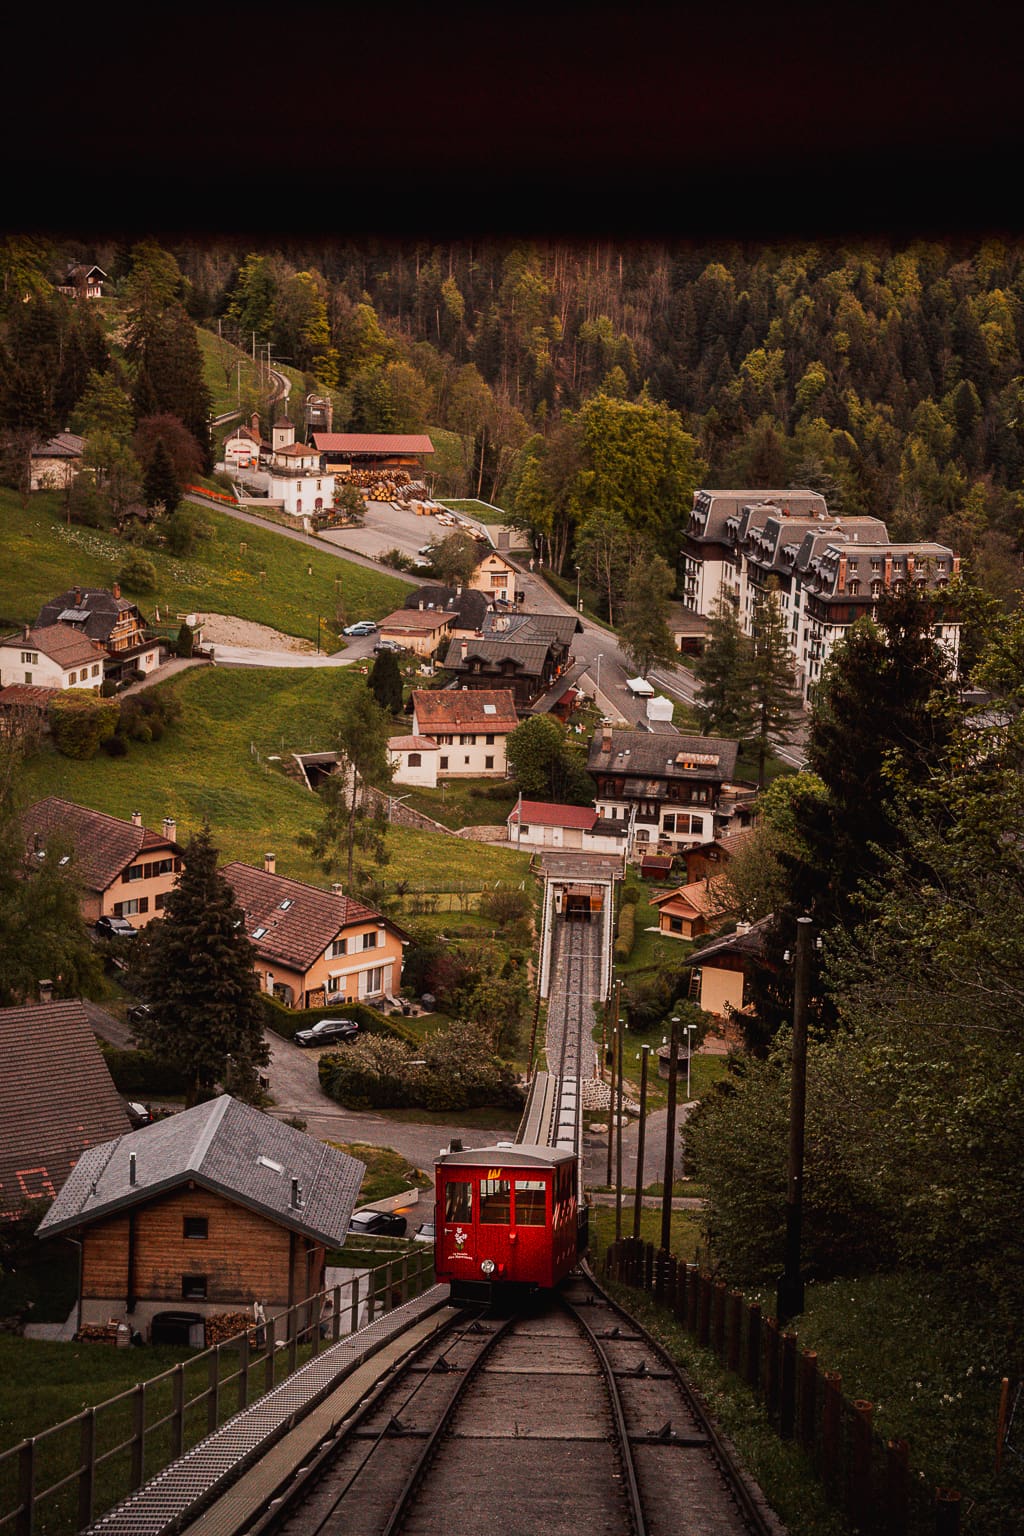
point(723, 676)
point(645, 635)
point(774, 696)
point(160, 483)
point(385, 682)
point(196, 968)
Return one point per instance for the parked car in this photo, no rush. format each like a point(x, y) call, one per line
point(138, 1114)
point(387, 645)
point(139, 1013)
point(377, 1224)
point(327, 1031)
point(361, 627)
point(425, 1234)
point(115, 928)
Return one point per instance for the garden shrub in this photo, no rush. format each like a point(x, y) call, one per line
point(80, 721)
point(138, 574)
point(137, 1074)
point(627, 932)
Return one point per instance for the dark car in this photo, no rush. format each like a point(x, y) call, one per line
point(377, 1224)
point(115, 928)
point(387, 645)
point(139, 1013)
point(327, 1031)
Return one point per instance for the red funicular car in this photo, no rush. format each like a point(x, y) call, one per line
point(505, 1216)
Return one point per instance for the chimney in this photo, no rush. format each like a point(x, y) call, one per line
point(136, 818)
point(606, 736)
point(296, 1195)
point(742, 928)
point(455, 1145)
point(170, 828)
point(131, 1167)
point(465, 649)
point(46, 990)
point(78, 597)
point(27, 631)
point(336, 888)
point(269, 863)
point(116, 589)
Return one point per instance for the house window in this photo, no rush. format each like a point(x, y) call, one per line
point(193, 1287)
point(160, 901)
point(318, 486)
point(96, 669)
point(258, 933)
point(196, 1226)
point(28, 677)
point(375, 981)
point(337, 948)
point(72, 679)
point(675, 925)
point(298, 485)
point(30, 658)
point(642, 835)
point(465, 761)
point(370, 940)
point(131, 908)
point(415, 759)
point(443, 763)
point(489, 741)
point(524, 831)
point(488, 762)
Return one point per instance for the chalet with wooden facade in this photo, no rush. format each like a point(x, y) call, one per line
point(82, 281)
point(113, 622)
point(689, 911)
point(57, 1099)
point(666, 788)
point(52, 656)
point(206, 1211)
point(123, 869)
point(706, 861)
point(316, 947)
point(470, 726)
point(720, 969)
point(524, 652)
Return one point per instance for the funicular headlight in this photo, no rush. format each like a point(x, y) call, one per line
point(487, 1266)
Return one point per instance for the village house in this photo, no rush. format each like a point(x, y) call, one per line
point(524, 652)
point(720, 970)
point(706, 861)
point(469, 726)
point(54, 464)
point(113, 622)
point(468, 608)
point(495, 577)
point(414, 760)
point(316, 947)
point(666, 788)
point(56, 1099)
point(689, 911)
point(206, 1211)
point(536, 825)
point(296, 478)
point(123, 869)
point(54, 656)
point(420, 630)
point(83, 282)
point(243, 448)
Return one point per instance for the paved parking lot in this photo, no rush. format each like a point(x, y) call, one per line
point(386, 528)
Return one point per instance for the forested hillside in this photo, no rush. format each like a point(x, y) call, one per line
point(890, 379)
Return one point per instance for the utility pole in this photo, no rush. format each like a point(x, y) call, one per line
point(641, 1137)
point(618, 1144)
point(790, 1298)
point(611, 1106)
point(670, 1139)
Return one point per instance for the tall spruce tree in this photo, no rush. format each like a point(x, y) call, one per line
point(723, 676)
point(195, 966)
point(385, 682)
point(774, 696)
point(645, 635)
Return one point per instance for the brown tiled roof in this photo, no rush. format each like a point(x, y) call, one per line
point(103, 845)
point(372, 442)
point(699, 896)
point(540, 814)
point(63, 644)
point(56, 1099)
point(26, 696)
point(463, 709)
point(407, 743)
point(415, 621)
point(297, 934)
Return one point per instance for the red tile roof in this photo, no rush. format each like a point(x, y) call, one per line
point(405, 743)
point(372, 442)
point(297, 934)
point(63, 643)
point(536, 813)
point(415, 621)
point(463, 708)
point(103, 845)
point(56, 1099)
point(25, 696)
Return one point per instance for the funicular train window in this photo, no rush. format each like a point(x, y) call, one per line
point(458, 1201)
point(530, 1203)
point(495, 1202)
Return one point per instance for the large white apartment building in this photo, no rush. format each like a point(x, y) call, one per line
point(827, 570)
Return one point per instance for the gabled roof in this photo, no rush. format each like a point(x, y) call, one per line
point(96, 610)
point(56, 1099)
point(299, 920)
point(372, 442)
point(237, 1151)
point(469, 606)
point(640, 753)
point(553, 628)
point(65, 445)
point(529, 656)
point(747, 941)
point(294, 450)
point(536, 813)
point(698, 896)
point(63, 643)
point(103, 845)
point(26, 696)
point(412, 744)
point(411, 621)
point(483, 709)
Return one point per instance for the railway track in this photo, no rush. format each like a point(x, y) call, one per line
point(560, 1416)
point(576, 980)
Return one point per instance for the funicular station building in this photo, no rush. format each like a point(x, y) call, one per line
point(580, 888)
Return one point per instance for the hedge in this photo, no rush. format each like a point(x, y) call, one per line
point(137, 1074)
point(627, 932)
point(287, 1022)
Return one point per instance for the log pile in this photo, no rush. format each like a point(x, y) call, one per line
point(378, 485)
point(97, 1333)
point(227, 1325)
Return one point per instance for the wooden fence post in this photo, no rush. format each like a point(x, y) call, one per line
point(787, 1397)
point(138, 1462)
point(859, 1499)
point(718, 1318)
point(752, 1372)
point(830, 1419)
point(26, 1487)
point(704, 1310)
point(947, 1512)
point(648, 1282)
point(270, 1364)
point(734, 1330)
point(354, 1287)
point(87, 1464)
point(403, 1280)
point(243, 1371)
point(177, 1412)
point(336, 1315)
point(897, 1486)
point(808, 1421)
point(213, 1388)
point(771, 1368)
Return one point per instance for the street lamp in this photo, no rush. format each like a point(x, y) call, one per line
point(689, 1052)
point(579, 605)
point(597, 685)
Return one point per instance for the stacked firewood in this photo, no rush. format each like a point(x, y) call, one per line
point(227, 1325)
point(376, 485)
point(97, 1333)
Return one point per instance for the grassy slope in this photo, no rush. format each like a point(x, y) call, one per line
point(204, 768)
point(43, 557)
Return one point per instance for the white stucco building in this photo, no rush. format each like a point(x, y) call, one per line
point(295, 477)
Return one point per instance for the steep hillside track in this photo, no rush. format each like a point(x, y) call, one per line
point(563, 1417)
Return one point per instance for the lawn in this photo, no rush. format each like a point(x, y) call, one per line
point(465, 802)
point(469, 506)
point(248, 571)
point(217, 763)
point(387, 1171)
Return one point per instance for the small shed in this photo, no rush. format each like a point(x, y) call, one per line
point(656, 866)
point(640, 688)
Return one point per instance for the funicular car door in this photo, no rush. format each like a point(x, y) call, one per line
point(456, 1222)
point(530, 1228)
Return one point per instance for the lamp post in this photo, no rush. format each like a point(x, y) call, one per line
point(319, 621)
point(689, 1052)
point(597, 685)
point(641, 1137)
point(670, 1140)
point(579, 604)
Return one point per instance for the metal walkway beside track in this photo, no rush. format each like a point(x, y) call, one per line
point(175, 1497)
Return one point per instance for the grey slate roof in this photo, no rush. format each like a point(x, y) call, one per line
point(97, 611)
point(56, 1099)
point(641, 754)
point(225, 1146)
